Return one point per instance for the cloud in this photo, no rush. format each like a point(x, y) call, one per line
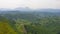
point(30, 3)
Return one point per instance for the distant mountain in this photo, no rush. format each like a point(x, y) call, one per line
point(48, 10)
point(26, 9)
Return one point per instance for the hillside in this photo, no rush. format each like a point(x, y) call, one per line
point(5, 28)
point(17, 22)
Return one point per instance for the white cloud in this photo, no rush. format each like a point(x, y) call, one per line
point(30, 3)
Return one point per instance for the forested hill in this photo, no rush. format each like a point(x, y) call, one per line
point(34, 22)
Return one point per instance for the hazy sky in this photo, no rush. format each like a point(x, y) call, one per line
point(30, 3)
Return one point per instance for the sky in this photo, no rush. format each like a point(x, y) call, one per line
point(55, 4)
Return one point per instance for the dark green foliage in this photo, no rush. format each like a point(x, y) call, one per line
point(31, 22)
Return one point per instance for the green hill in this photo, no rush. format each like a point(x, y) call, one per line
point(5, 28)
point(29, 23)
